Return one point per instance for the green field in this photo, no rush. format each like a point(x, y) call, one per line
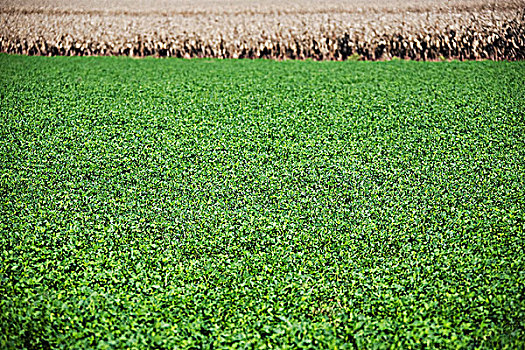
point(214, 204)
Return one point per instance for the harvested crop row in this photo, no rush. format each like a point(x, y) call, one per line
point(474, 30)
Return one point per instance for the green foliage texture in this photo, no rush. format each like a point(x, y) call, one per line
point(259, 204)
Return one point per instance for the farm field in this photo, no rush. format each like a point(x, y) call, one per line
point(236, 203)
point(300, 29)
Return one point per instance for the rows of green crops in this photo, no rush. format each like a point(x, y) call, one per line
point(231, 204)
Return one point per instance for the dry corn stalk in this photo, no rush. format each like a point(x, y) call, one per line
point(422, 30)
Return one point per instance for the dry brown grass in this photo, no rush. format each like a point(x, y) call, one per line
point(335, 30)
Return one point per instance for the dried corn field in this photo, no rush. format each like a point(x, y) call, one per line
point(335, 30)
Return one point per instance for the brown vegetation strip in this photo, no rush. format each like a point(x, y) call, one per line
point(424, 30)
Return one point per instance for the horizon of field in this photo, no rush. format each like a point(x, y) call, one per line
point(334, 30)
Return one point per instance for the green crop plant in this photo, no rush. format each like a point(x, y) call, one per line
point(237, 204)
